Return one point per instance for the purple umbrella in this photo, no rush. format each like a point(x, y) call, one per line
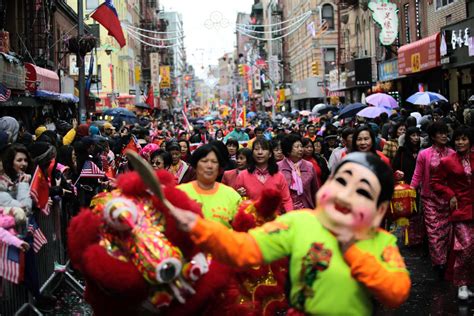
point(373, 111)
point(382, 99)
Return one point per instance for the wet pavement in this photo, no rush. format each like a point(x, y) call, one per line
point(429, 295)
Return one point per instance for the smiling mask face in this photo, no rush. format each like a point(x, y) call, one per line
point(349, 200)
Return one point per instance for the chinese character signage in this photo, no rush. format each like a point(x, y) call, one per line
point(165, 82)
point(388, 70)
point(385, 14)
point(155, 70)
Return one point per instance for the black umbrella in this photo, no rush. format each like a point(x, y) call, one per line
point(326, 109)
point(351, 110)
point(142, 105)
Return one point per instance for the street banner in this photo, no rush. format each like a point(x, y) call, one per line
point(165, 82)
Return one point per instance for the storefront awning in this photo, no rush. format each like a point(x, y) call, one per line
point(54, 96)
point(419, 56)
point(38, 78)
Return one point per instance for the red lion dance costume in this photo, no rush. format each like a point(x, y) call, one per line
point(134, 259)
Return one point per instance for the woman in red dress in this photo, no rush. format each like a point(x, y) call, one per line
point(243, 157)
point(454, 181)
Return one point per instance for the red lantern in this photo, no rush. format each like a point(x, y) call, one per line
point(402, 206)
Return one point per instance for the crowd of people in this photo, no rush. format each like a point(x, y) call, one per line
point(219, 165)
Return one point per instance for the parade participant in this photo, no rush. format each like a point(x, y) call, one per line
point(364, 140)
point(219, 136)
point(276, 149)
point(160, 159)
point(405, 161)
point(454, 181)
point(435, 208)
point(218, 201)
point(346, 147)
point(299, 173)
point(185, 151)
point(391, 146)
point(339, 258)
point(318, 162)
point(238, 134)
point(232, 146)
point(262, 173)
point(244, 155)
point(258, 131)
point(311, 132)
point(180, 169)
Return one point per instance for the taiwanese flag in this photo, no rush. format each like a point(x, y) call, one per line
point(106, 15)
point(39, 190)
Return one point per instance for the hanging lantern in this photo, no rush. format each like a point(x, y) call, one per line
point(402, 206)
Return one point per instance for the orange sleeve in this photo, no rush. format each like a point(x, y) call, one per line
point(391, 288)
point(225, 245)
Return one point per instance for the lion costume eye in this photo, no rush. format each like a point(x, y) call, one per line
point(168, 270)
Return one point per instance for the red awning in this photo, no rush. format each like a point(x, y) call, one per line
point(38, 78)
point(420, 55)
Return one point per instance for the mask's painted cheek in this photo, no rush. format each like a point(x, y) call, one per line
point(363, 217)
point(325, 196)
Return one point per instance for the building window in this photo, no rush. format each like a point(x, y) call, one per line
point(418, 19)
point(329, 59)
point(328, 15)
point(442, 3)
point(92, 4)
point(406, 15)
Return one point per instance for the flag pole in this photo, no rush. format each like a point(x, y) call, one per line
point(80, 64)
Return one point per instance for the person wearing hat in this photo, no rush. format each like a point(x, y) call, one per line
point(40, 130)
point(183, 172)
point(109, 130)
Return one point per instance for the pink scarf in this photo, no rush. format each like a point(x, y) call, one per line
point(466, 164)
point(436, 156)
point(296, 181)
point(262, 174)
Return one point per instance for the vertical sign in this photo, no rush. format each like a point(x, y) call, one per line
point(256, 80)
point(165, 82)
point(155, 70)
point(386, 16)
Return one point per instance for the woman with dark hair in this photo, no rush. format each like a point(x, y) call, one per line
point(262, 173)
point(232, 146)
point(227, 162)
point(364, 140)
point(391, 146)
point(185, 151)
point(219, 135)
point(405, 161)
point(299, 173)
point(160, 159)
point(319, 163)
point(15, 176)
point(435, 208)
point(276, 149)
point(219, 202)
point(244, 155)
point(454, 181)
point(183, 172)
point(67, 161)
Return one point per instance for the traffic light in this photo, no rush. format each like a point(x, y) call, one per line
point(315, 68)
point(241, 70)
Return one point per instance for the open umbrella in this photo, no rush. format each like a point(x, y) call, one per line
point(425, 98)
point(142, 105)
point(382, 99)
point(471, 99)
point(351, 110)
point(325, 109)
point(305, 113)
point(119, 111)
point(251, 114)
point(317, 107)
point(209, 118)
point(373, 111)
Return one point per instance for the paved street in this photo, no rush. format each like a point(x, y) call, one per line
point(429, 295)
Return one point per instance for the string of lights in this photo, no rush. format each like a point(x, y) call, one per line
point(248, 29)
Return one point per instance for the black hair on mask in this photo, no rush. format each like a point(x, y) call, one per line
point(381, 170)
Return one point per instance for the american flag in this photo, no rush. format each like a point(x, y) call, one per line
point(39, 239)
point(4, 93)
point(90, 170)
point(12, 263)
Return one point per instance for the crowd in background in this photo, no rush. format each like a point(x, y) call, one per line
point(220, 164)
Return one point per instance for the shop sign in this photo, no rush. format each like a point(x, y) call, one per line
point(165, 79)
point(460, 38)
point(471, 46)
point(74, 70)
point(388, 70)
point(420, 55)
point(359, 73)
point(12, 72)
point(385, 14)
